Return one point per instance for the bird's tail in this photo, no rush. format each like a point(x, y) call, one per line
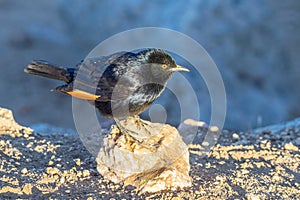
point(46, 69)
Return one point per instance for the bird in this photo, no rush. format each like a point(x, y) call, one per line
point(119, 85)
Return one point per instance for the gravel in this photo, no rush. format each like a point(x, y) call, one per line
point(259, 164)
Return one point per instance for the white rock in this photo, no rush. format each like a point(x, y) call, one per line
point(8, 122)
point(159, 162)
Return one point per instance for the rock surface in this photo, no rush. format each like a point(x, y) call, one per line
point(260, 165)
point(159, 162)
point(9, 126)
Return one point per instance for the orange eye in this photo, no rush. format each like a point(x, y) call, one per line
point(164, 66)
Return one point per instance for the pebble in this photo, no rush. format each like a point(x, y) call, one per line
point(297, 141)
point(62, 180)
point(52, 170)
point(207, 165)
point(276, 178)
point(50, 163)
point(86, 173)
point(214, 129)
point(250, 196)
point(235, 136)
point(245, 171)
point(291, 147)
point(222, 162)
point(27, 189)
point(77, 161)
point(205, 144)
point(24, 171)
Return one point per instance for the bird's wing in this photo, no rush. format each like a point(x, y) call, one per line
point(96, 79)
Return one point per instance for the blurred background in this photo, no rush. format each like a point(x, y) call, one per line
point(255, 45)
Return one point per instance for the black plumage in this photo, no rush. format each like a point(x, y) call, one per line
point(120, 85)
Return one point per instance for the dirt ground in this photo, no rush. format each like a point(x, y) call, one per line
point(258, 165)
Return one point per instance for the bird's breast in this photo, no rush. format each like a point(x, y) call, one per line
point(146, 94)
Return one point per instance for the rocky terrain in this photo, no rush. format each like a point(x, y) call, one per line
point(255, 45)
point(263, 164)
point(252, 42)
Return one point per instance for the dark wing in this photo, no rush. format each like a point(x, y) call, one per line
point(101, 77)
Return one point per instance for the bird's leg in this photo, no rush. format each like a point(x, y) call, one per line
point(128, 134)
point(142, 124)
point(132, 130)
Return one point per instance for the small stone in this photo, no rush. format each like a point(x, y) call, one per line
point(238, 174)
point(50, 163)
point(79, 174)
point(250, 196)
point(276, 178)
point(77, 161)
point(24, 171)
point(68, 191)
point(62, 180)
point(89, 198)
point(279, 168)
point(205, 144)
point(86, 173)
point(52, 170)
point(235, 136)
point(263, 141)
point(207, 165)
point(177, 198)
point(222, 162)
point(214, 129)
point(27, 188)
point(195, 123)
point(291, 147)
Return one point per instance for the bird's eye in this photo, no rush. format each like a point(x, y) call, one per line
point(164, 66)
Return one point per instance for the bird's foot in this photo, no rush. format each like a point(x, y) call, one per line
point(142, 126)
point(129, 134)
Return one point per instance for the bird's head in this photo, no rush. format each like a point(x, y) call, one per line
point(162, 64)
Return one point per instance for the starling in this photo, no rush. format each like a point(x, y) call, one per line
point(119, 85)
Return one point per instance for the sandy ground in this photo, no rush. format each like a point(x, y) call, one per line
point(259, 165)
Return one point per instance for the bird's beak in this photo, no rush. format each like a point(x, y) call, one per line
point(180, 68)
